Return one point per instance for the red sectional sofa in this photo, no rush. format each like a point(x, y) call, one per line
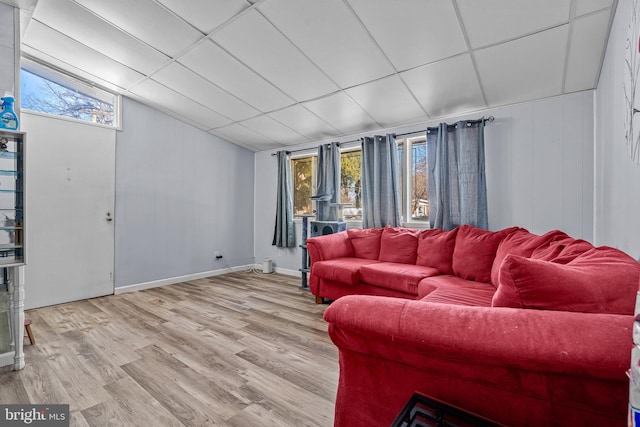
point(523, 329)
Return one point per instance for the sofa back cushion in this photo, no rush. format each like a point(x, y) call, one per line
point(600, 280)
point(475, 251)
point(522, 242)
point(435, 249)
point(366, 243)
point(399, 244)
point(562, 251)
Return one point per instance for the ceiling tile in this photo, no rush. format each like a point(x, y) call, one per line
point(446, 87)
point(191, 85)
point(57, 63)
point(388, 101)
point(206, 15)
point(524, 69)
point(412, 32)
point(493, 21)
point(217, 66)
point(171, 100)
point(342, 113)
point(78, 23)
point(587, 6)
point(240, 134)
point(274, 130)
point(304, 122)
point(588, 37)
point(271, 55)
point(328, 33)
point(69, 51)
point(149, 21)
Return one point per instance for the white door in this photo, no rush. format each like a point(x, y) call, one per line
point(70, 181)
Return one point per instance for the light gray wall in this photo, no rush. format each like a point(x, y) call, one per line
point(7, 50)
point(617, 208)
point(539, 165)
point(181, 194)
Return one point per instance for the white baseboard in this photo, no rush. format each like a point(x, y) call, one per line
point(288, 272)
point(180, 279)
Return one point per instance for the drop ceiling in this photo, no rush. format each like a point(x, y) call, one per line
point(272, 73)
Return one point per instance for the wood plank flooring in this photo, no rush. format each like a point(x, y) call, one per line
point(241, 349)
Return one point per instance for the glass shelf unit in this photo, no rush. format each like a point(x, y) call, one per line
point(12, 240)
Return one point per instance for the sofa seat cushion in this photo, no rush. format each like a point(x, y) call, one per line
point(601, 280)
point(345, 270)
point(475, 251)
point(401, 277)
point(457, 291)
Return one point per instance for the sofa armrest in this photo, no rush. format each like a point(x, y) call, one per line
point(330, 246)
point(582, 344)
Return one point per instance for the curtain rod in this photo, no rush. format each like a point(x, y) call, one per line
point(488, 119)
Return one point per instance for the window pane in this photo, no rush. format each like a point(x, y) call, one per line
point(419, 202)
point(303, 184)
point(350, 184)
point(401, 179)
point(46, 96)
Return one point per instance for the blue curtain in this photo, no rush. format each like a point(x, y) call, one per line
point(283, 235)
point(328, 182)
point(380, 186)
point(457, 190)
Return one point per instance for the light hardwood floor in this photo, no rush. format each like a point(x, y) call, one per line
point(241, 349)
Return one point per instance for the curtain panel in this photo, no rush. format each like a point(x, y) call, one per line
point(284, 233)
point(380, 183)
point(328, 182)
point(457, 189)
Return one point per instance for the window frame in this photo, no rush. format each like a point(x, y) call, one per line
point(405, 161)
point(65, 79)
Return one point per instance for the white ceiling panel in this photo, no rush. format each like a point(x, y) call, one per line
point(271, 55)
point(274, 130)
point(587, 6)
point(217, 66)
point(446, 87)
point(587, 46)
point(67, 50)
point(147, 20)
point(80, 73)
point(206, 15)
point(341, 112)
point(191, 85)
point(388, 101)
point(80, 24)
point(161, 95)
point(240, 134)
point(493, 21)
point(524, 69)
point(412, 32)
point(304, 122)
point(332, 37)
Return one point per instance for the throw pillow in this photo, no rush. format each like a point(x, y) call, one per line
point(601, 280)
point(435, 249)
point(475, 251)
point(366, 243)
point(522, 242)
point(398, 244)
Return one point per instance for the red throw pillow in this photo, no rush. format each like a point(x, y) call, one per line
point(475, 251)
point(399, 245)
point(522, 243)
point(366, 243)
point(601, 280)
point(435, 249)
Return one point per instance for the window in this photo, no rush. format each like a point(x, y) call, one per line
point(48, 91)
point(303, 177)
point(412, 153)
